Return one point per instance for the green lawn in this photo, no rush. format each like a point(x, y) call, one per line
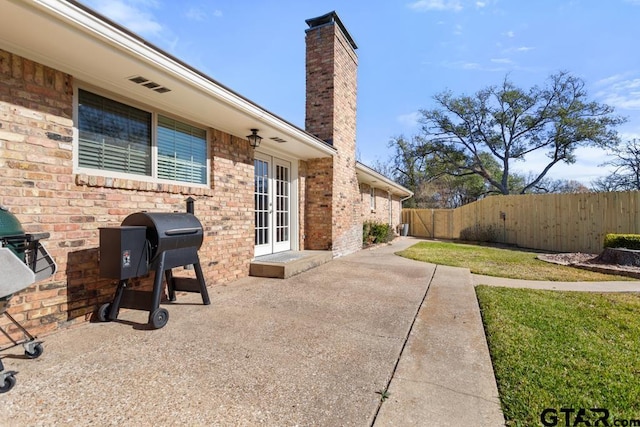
point(491, 261)
point(558, 350)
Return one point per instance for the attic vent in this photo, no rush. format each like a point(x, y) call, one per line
point(277, 139)
point(156, 87)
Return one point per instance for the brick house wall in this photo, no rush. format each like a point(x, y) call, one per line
point(39, 186)
point(382, 205)
point(331, 67)
point(318, 211)
point(302, 202)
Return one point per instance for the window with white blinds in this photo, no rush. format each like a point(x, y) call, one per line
point(117, 137)
point(113, 136)
point(182, 151)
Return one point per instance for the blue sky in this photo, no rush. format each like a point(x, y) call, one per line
point(408, 51)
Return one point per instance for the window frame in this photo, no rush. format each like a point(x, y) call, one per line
point(155, 113)
point(372, 202)
point(390, 207)
point(177, 139)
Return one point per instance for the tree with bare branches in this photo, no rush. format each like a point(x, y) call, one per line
point(626, 175)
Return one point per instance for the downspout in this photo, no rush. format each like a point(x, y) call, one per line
point(401, 202)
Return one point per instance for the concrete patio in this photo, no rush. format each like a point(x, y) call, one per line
point(316, 349)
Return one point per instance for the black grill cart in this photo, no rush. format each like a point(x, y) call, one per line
point(145, 242)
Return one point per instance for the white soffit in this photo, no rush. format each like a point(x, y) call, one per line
point(65, 36)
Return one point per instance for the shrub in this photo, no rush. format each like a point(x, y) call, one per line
point(478, 233)
point(376, 232)
point(627, 241)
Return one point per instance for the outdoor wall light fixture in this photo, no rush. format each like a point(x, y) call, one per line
point(254, 138)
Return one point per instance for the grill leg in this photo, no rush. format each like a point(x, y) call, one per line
point(157, 284)
point(203, 285)
point(117, 300)
point(171, 289)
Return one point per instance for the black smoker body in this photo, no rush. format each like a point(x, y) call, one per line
point(149, 241)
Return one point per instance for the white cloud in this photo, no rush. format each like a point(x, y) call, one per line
point(469, 65)
point(439, 5)
point(587, 168)
point(457, 30)
point(628, 101)
point(609, 80)
point(518, 49)
point(200, 14)
point(409, 120)
point(134, 14)
point(510, 34)
point(464, 65)
point(196, 14)
point(620, 91)
point(493, 65)
point(628, 136)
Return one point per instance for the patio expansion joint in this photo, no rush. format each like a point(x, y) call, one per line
point(404, 344)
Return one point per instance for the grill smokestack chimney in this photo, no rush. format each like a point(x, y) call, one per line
point(191, 205)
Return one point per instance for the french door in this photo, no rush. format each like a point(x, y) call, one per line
point(272, 198)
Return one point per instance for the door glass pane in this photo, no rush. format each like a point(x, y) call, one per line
point(261, 197)
point(282, 203)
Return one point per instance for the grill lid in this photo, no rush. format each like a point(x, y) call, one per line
point(167, 231)
point(9, 224)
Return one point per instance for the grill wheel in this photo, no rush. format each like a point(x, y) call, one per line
point(158, 318)
point(9, 382)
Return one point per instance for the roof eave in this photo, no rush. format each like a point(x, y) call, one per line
point(117, 40)
point(369, 176)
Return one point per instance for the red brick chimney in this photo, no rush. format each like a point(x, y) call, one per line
point(333, 215)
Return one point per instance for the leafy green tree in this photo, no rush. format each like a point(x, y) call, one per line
point(432, 185)
point(485, 134)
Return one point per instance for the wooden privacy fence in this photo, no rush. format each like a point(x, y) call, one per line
point(550, 222)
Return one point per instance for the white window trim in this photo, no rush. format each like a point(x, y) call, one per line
point(77, 169)
point(372, 192)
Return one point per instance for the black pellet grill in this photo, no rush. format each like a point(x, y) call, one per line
point(148, 241)
point(23, 261)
